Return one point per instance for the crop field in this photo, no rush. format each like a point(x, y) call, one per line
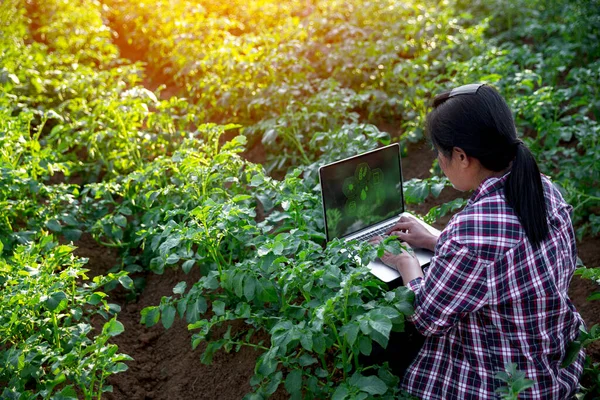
point(161, 227)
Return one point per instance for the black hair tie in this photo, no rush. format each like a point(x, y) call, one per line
point(517, 143)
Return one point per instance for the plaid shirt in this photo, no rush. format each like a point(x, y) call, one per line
point(489, 299)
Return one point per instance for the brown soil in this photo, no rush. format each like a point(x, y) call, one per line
point(166, 367)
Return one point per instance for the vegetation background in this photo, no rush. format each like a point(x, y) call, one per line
point(161, 232)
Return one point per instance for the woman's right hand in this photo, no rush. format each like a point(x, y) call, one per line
point(409, 230)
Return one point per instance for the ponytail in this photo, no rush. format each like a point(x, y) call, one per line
point(477, 119)
point(524, 192)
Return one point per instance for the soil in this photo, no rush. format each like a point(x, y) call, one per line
point(165, 366)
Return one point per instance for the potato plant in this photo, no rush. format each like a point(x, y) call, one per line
point(49, 347)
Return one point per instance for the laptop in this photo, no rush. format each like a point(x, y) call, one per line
point(363, 197)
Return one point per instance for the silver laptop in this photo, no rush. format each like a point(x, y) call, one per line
point(363, 197)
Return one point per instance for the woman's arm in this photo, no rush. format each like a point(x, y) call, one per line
point(456, 285)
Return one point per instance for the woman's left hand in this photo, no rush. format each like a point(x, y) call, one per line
point(405, 263)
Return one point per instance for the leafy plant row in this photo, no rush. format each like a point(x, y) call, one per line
point(49, 346)
point(289, 71)
point(546, 64)
point(320, 308)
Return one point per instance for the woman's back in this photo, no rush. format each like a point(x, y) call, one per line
point(490, 298)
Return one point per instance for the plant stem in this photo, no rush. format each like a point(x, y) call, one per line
point(342, 345)
point(56, 338)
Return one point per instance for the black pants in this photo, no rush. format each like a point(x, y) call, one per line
point(402, 348)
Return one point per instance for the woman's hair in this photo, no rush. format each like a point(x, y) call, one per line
point(479, 121)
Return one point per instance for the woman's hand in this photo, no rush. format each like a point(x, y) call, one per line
point(409, 230)
point(405, 263)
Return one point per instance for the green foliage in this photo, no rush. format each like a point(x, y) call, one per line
point(515, 382)
point(48, 346)
point(544, 59)
point(592, 274)
point(320, 309)
point(417, 190)
point(30, 204)
point(300, 68)
point(590, 380)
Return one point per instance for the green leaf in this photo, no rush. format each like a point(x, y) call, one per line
point(386, 376)
point(69, 220)
point(392, 246)
point(249, 287)
point(180, 287)
point(120, 220)
point(265, 291)
point(415, 191)
point(96, 298)
point(257, 180)
point(113, 327)
point(243, 310)
point(522, 384)
point(319, 343)
point(237, 281)
point(218, 308)
point(372, 385)
point(278, 248)
point(53, 225)
point(77, 313)
point(67, 393)
point(187, 266)
point(196, 309)
point(365, 346)
point(168, 316)
point(350, 332)
point(437, 188)
point(211, 348)
point(306, 341)
point(241, 197)
point(381, 324)
point(274, 384)
point(56, 302)
point(267, 364)
point(571, 354)
point(181, 307)
point(594, 296)
point(305, 360)
point(172, 259)
point(168, 244)
point(150, 316)
point(340, 393)
point(126, 282)
point(265, 201)
point(293, 381)
point(72, 235)
point(118, 367)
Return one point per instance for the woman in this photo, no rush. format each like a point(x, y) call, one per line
point(495, 292)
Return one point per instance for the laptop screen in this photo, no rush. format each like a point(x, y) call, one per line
point(361, 191)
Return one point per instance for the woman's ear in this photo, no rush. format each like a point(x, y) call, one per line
point(461, 157)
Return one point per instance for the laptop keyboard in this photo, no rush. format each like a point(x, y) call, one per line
point(377, 232)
